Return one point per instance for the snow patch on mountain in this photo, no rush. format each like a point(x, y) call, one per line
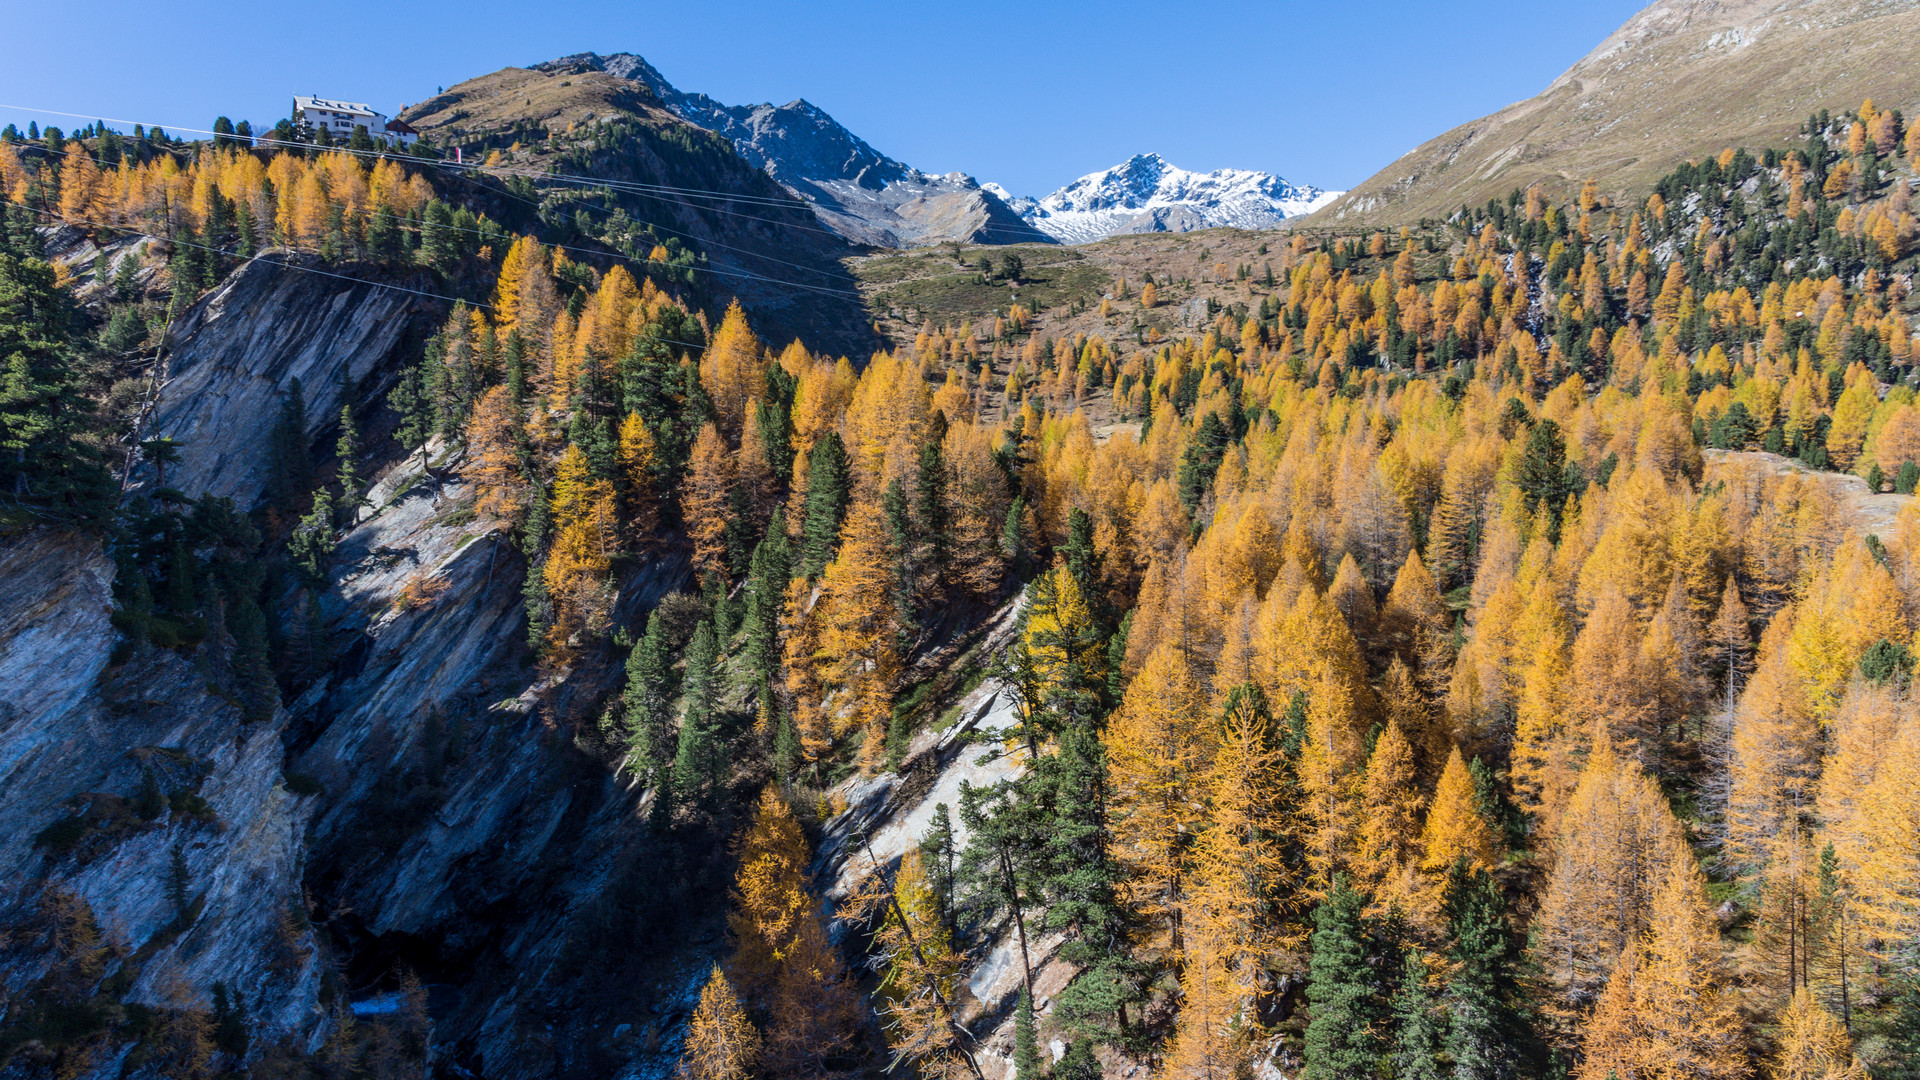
point(1147, 194)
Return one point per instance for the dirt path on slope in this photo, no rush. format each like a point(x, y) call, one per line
point(1872, 513)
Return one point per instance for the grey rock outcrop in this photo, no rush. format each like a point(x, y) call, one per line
point(82, 732)
point(236, 352)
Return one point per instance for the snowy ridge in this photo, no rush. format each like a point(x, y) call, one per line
point(1147, 194)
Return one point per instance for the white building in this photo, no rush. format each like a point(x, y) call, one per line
point(339, 118)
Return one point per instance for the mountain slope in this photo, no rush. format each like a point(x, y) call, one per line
point(774, 257)
point(855, 190)
point(1680, 79)
point(1147, 194)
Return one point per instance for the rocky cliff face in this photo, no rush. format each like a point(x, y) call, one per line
point(132, 784)
point(237, 352)
point(427, 801)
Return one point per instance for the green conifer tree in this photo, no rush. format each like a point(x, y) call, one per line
point(1418, 1026)
point(1490, 1037)
point(311, 545)
point(1027, 1063)
point(697, 760)
point(648, 704)
point(1082, 884)
point(353, 488)
point(1343, 1009)
point(253, 675)
point(826, 504)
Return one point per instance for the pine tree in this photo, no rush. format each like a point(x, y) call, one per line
point(930, 510)
point(767, 577)
point(1343, 1013)
point(1489, 1037)
point(648, 704)
point(46, 462)
point(826, 504)
point(259, 695)
point(1081, 882)
point(291, 477)
point(1027, 1064)
point(698, 761)
point(998, 866)
point(353, 492)
point(939, 856)
point(311, 545)
point(1418, 1026)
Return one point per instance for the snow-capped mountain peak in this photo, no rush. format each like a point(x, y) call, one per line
point(1146, 193)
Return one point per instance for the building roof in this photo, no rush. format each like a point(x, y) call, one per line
point(400, 127)
point(352, 107)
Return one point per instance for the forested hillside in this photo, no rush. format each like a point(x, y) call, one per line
point(1427, 688)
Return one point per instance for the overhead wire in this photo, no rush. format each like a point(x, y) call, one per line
point(636, 187)
point(614, 254)
point(261, 258)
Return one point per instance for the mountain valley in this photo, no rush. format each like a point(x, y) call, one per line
point(636, 587)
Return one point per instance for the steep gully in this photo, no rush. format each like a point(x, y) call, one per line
point(431, 803)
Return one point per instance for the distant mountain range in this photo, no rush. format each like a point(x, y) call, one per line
point(870, 198)
point(1147, 194)
point(855, 190)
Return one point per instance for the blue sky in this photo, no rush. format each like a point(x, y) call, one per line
point(1031, 95)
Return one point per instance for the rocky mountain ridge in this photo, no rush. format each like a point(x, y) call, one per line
point(855, 190)
point(1146, 194)
point(1679, 80)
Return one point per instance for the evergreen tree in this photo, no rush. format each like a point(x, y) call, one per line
point(698, 761)
point(353, 489)
point(1903, 1018)
point(1418, 1027)
point(1084, 562)
point(1027, 1063)
point(1342, 1041)
point(767, 575)
point(1013, 536)
point(930, 509)
point(1545, 478)
point(259, 695)
point(311, 545)
point(439, 242)
point(939, 856)
point(787, 751)
point(1201, 461)
point(903, 572)
point(997, 868)
point(1490, 1037)
point(48, 467)
point(412, 400)
point(1082, 884)
point(648, 704)
point(292, 475)
point(826, 504)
